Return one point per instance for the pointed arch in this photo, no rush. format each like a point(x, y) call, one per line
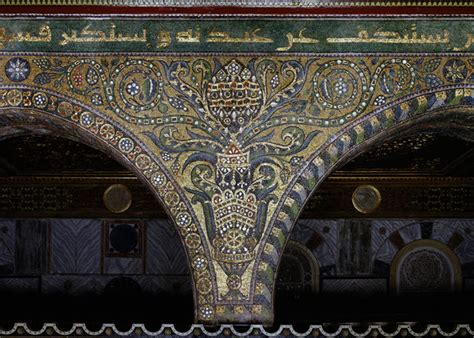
point(303, 267)
point(26, 110)
point(450, 107)
point(439, 257)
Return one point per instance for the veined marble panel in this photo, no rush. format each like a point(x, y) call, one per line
point(320, 236)
point(31, 246)
point(77, 285)
point(19, 285)
point(123, 265)
point(164, 250)
point(75, 246)
point(358, 287)
point(7, 246)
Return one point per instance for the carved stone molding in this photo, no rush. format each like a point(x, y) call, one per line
point(425, 197)
point(68, 197)
point(64, 196)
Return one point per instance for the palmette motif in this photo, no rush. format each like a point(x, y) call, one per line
point(233, 179)
point(234, 146)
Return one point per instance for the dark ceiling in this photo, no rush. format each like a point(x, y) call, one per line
point(34, 168)
point(46, 155)
point(423, 154)
point(429, 154)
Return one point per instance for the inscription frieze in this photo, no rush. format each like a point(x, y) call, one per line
point(236, 35)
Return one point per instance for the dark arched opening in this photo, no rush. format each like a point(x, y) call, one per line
point(425, 178)
point(67, 256)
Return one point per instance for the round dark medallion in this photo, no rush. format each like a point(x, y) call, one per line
point(117, 198)
point(123, 238)
point(366, 199)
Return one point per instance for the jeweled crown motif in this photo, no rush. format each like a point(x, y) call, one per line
point(235, 209)
point(234, 96)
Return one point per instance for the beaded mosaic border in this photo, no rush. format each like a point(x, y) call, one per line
point(239, 3)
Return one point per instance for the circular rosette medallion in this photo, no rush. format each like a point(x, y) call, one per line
point(455, 70)
point(83, 75)
point(17, 69)
point(136, 87)
point(341, 88)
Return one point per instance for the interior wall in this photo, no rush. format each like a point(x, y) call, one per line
point(355, 255)
point(85, 256)
point(91, 256)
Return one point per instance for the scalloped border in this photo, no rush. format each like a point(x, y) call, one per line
point(256, 329)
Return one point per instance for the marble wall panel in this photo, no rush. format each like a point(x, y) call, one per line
point(320, 236)
point(31, 246)
point(123, 265)
point(410, 232)
point(74, 285)
point(19, 285)
point(354, 247)
point(7, 246)
point(102, 284)
point(468, 284)
point(381, 231)
point(359, 287)
point(332, 242)
point(75, 246)
point(164, 250)
point(166, 284)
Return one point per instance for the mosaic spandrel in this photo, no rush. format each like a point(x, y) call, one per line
point(232, 144)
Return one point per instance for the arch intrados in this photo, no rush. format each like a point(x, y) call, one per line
point(410, 125)
point(84, 138)
point(312, 261)
point(442, 117)
point(80, 136)
point(20, 118)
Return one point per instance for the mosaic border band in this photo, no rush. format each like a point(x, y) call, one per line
point(346, 330)
point(239, 3)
